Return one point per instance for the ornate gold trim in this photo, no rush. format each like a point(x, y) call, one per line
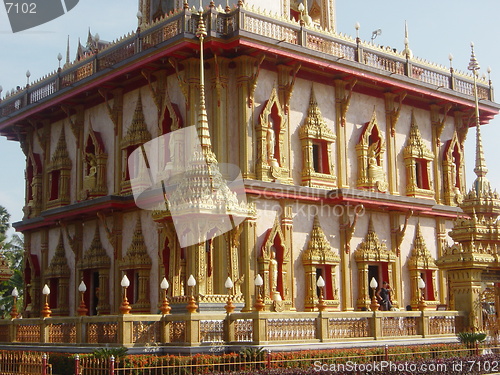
point(418, 159)
point(315, 132)
point(319, 253)
point(371, 174)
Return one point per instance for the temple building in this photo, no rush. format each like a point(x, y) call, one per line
point(321, 166)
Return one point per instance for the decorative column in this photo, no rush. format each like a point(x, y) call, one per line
point(103, 306)
point(392, 116)
point(342, 101)
point(249, 254)
point(220, 122)
point(288, 279)
point(346, 231)
point(246, 81)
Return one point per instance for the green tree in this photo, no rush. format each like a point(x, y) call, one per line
point(12, 249)
point(4, 225)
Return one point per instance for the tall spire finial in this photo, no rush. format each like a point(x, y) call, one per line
point(67, 53)
point(203, 130)
point(480, 168)
point(407, 50)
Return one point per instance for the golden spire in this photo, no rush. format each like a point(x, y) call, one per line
point(481, 185)
point(407, 50)
point(203, 130)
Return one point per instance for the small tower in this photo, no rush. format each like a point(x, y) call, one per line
point(476, 237)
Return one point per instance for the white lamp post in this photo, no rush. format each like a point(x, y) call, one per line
point(320, 283)
point(191, 307)
point(125, 306)
point(373, 284)
point(46, 309)
point(82, 309)
point(421, 286)
point(229, 286)
point(13, 312)
point(165, 307)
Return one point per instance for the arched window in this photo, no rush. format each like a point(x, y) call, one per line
point(59, 171)
point(374, 260)
point(137, 266)
point(274, 263)
point(453, 171)
point(422, 265)
point(137, 135)
point(370, 150)
point(418, 158)
point(317, 140)
point(94, 170)
point(57, 277)
point(318, 260)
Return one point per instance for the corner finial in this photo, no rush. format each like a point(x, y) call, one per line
point(67, 51)
point(407, 51)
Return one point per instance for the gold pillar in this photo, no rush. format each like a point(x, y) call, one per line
point(103, 306)
point(437, 129)
point(249, 255)
point(219, 101)
point(392, 117)
point(397, 286)
point(244, 77)
point(116, 115)
point(465, 287)
point(287, 228)
point(441, 246)
point(117, 243)
point(345, 263)
point(341, 106)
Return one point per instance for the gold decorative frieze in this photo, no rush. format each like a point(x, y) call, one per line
point(317, 140)
point(370, 151)
point(59, 171)
point(418, 159)
point(319, 259)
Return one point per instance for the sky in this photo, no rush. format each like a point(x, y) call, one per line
point(436, 29)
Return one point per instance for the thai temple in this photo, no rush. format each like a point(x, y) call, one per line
point(243, 173)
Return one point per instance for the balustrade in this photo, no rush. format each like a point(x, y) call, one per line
point(226, 24)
